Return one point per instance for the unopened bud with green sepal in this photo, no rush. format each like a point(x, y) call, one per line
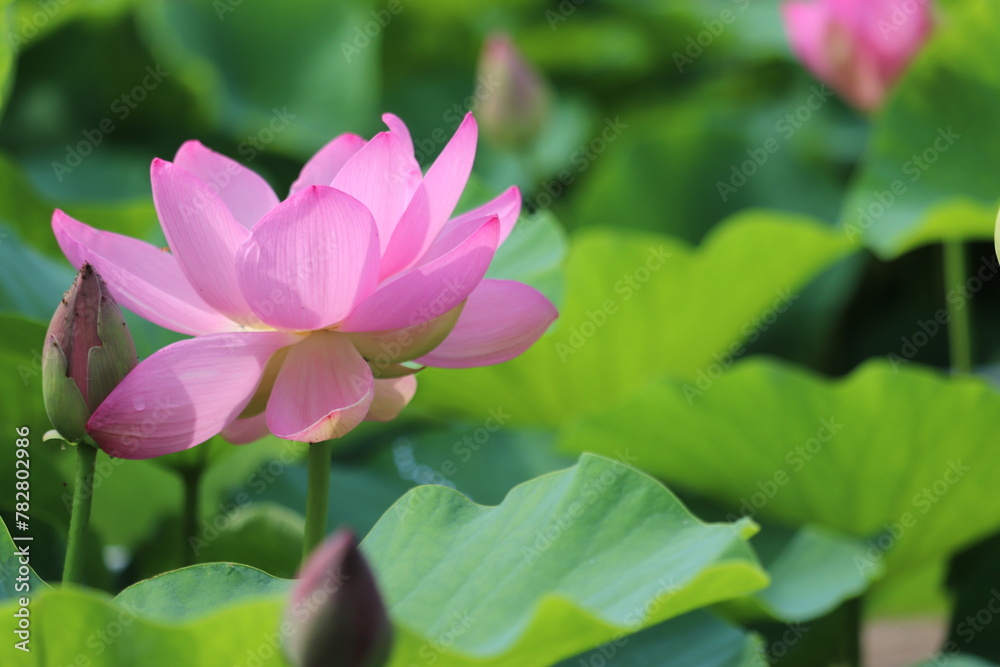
point(88, 351)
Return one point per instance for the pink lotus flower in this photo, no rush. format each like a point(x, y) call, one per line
point(859, 47)
point(304, 311)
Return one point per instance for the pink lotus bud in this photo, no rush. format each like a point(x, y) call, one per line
point(88, 350)
point(859, 47)
point(336, 610)
point(517, 102)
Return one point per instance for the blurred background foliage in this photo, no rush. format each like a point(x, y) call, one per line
point(656, 106)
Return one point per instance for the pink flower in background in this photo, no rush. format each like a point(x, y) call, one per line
point(305, 310)
point(858, 47)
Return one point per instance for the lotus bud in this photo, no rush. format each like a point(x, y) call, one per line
point(88, 351)
point(336, 611)
point(514, 111)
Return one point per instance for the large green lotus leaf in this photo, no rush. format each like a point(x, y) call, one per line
point(290, 80)
point(70, 625)
point(934, 147)
point(585, 555)
point(893, 454)
point(693, 639)
point(194, 614)
point(196, 591)
point(210, 622)
point(568, 561)
point(639, 305)
point(12, 581)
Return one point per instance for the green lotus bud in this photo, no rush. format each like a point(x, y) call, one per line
point(336, 611)
point(88, 350)
point(514, 111)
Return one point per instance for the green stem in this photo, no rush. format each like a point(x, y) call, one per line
point(83, 495)
point(192, 499)
point(959, 318)
point(317, 496)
